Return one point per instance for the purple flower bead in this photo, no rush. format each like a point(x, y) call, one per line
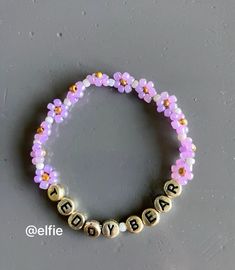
point(98, 79)
point(181, 172)
point(37, 153)
point(57, 110)
point(145, 90)
point(187, 148)
point(43, 132)
point(166, 104)
point(76, 92)
point(46, 177)
point(123, 82)
point(179, 122)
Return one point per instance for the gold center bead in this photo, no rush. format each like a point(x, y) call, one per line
point(183, 121)
point(145, 89)
point(58, 110)
point(45, 176)
point(166, 103)
point(123, 82)
point(40, 130)
point(98, 74)
point(182, 171)
point(73, 88)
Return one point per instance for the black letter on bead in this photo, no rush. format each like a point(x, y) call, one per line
point(172, 188)
point(163, 204)
point(76, 220)
point(91, 231)
point(65, 205)
point(134, 224)
point(110, 228)
point(53, 192)
point(150, 217)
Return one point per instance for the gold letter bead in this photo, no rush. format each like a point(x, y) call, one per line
point(92, 228)
point(110, 229)
point(66, 206)
point(150, 217)
point(163, 204)
point(55, 192)
point(172, 188)
point(134, 224)
point(76, 220)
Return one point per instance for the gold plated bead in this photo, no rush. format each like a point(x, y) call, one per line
point(76, 220)
point(92, 228)
point(145, 90)
point(123, 82)
point(150, 217)
point(66, 206)
point(73, 88)
point(58, 110)
point(183, 121)
point(40, 130)
point(163, 204)
point(110, 229)
point(134, 224)
point(166, 103)
point(55, 192)
point(98, 74)
point(172, 188)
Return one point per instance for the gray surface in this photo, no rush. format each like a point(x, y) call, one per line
point(114, 151)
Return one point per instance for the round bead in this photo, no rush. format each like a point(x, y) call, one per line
point(110, 229)
point(111, 82)
point(39, 166)
point(76, 220)
point(49, 120)
point(86, 82)
point(66, 206)
point(92, 228)
point(122, 227)
point(135, 84)
point(150, 217)
point(67, 102)
point(134, 224)
point(172, 188)
point(162, 204)
point(55, 192)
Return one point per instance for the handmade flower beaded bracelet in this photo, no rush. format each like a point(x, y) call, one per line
point(181, 171)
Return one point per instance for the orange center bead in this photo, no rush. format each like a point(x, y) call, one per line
point(45, 176)
point(58, 110)
point(40, 130)
point(182, 171)
point(145, 89)
point(183, 121)
point(166, 103)
point(73, 88)
point(123, 82)
point(98, 74)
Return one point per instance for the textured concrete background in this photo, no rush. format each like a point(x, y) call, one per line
point(114, 151)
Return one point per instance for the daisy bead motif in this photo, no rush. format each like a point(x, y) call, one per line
point(37, 153)
point(187, 148)
point(76, 92)
point(145, 90)
point(43, 132)
point(57, 110)
point(179, 122)
point(166, 103)
point(123, 82)
point(45, 177)
point(98, 79)
point(181, 172)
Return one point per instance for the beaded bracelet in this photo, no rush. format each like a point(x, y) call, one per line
point(181, 171)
